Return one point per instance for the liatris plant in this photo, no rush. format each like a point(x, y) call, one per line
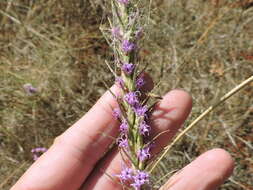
point(132, 112)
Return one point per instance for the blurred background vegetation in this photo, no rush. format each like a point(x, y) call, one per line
point(202, 46)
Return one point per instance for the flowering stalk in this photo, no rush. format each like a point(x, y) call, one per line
point(126, 32)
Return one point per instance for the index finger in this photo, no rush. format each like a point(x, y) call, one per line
point(73, 155)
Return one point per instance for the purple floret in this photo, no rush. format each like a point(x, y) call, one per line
point(140, 82)
point(37, 152)
point(122, 142)
point(30, 89)
point(119, 82)
point(128, 46)
point(144, 154)
point(131, 98)
point(126, 174)
point(124, 1)
point(116, 112)
point(115, 32)
point(128, 68)
point(124, 127)
point(140, 179)
point(139, 33)
point(140, 110)
point(144, 128)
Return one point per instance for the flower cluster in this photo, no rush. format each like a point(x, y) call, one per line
point(132, 111)
point(135, 178)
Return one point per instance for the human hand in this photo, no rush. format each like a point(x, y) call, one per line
point(78, 159)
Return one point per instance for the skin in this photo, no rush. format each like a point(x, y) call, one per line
point(79, 159)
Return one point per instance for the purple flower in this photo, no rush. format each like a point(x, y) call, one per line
point(144, 128)
point(115, 32)
point(140, 110)
point(128, 46)
point(140, 82)
point(144, 154)
point(39, 149)
point(116, 112)
point(126, 174)
point(119, 81)
point(128, 68)
point(124, 127)
point(37, 152)
point(30, 89)
point(124, 1)
point(140, 179)
point(122, 142)
point(131, 98)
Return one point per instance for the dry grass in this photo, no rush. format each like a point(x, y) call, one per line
point(202, 46)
